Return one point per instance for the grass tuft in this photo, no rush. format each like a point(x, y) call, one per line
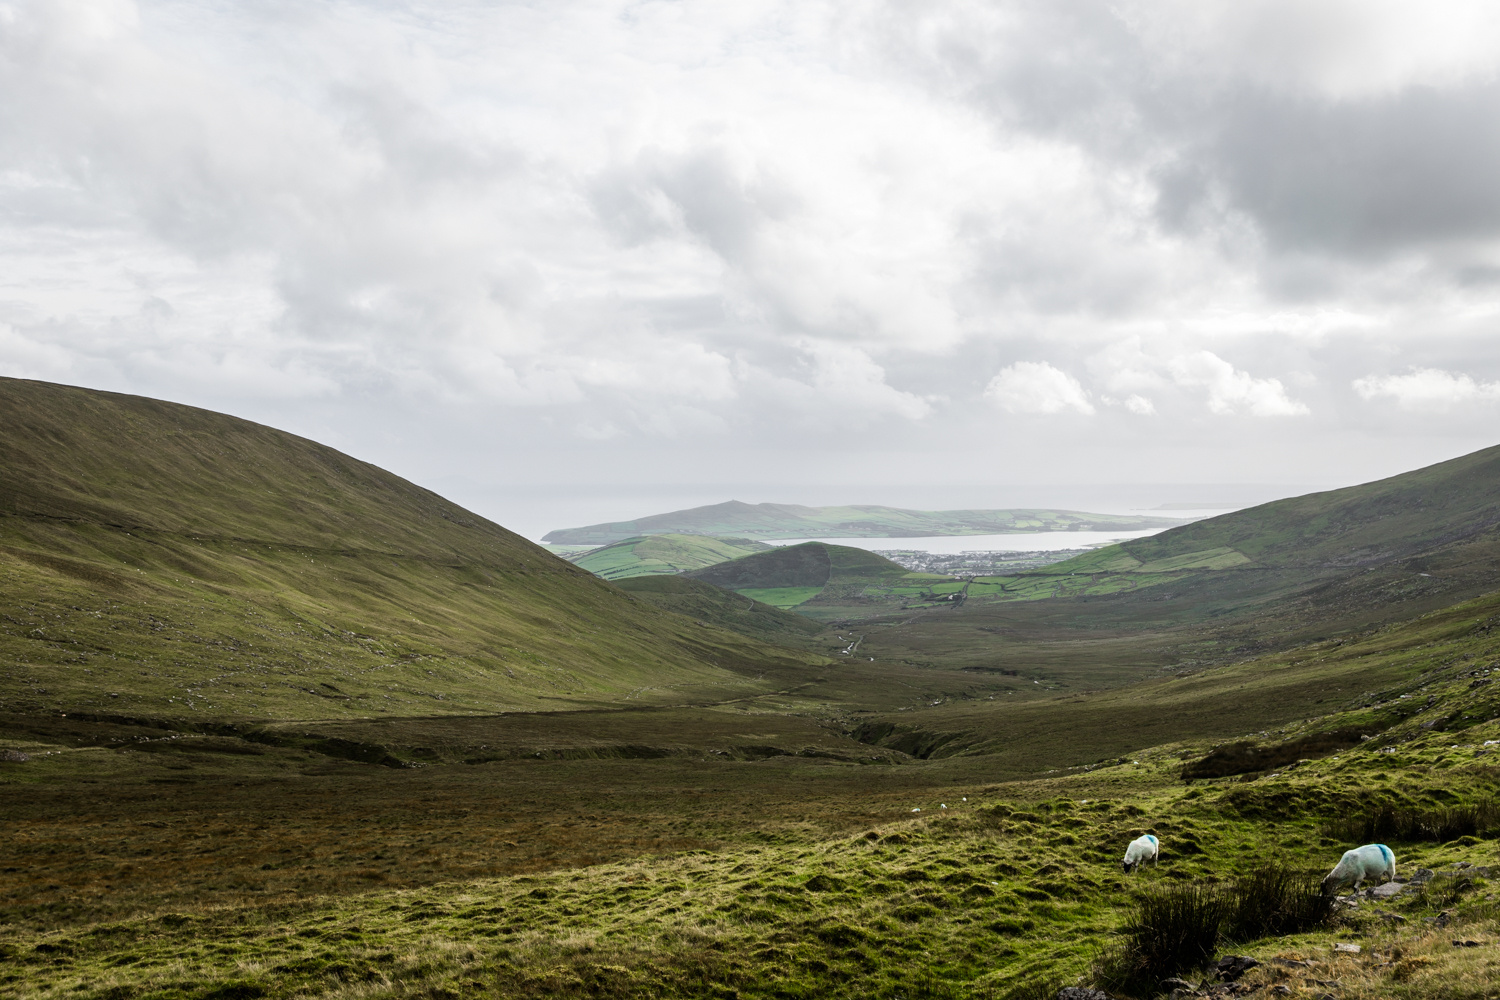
point(1409, 824)
point(1177, 928)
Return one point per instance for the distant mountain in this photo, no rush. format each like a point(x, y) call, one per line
point(164, 561)
point(645, 555)
point(829, 581)
point(776, 520)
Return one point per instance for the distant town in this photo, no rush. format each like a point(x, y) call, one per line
point(975, 563)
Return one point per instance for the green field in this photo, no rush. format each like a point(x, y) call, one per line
point(776, 521)
point(662, 554)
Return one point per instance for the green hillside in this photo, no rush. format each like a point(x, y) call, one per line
point(705, 602)
point(665, 554)
point(828, 581)
point(1244, 583)
point(164, 560)
point(776, 520)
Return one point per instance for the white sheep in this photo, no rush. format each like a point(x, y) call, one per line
point(1369, 861)
point(1142, 849)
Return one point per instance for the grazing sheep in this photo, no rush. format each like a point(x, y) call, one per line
point(1142, 849)
point(1370, 861)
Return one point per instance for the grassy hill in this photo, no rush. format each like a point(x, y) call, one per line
point(775, 520)
point(705, 602)
point(669, 553)
point(828, 581)
point(167, 561)
point(1244, 583)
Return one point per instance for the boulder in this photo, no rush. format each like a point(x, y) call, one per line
point(1422, 876)
point(1231, 967)
point(1387, 891)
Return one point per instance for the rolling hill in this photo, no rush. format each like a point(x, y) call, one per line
point(828, 581)
point(774, 520)
point(163, 560)
point(1248, 582)
point(661, 554)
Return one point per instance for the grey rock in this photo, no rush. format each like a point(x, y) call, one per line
point(1386, 891)
point(14, 756)
point(1081, 993)
point(1422, 876)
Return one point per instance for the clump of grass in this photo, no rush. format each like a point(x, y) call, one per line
point(1273, 901)
point(1410, 824)
point(1173, 929)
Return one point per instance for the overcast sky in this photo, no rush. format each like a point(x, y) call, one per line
point(751, 246)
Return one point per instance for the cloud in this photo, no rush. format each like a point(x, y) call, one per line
point(512, 228)
point(1037, 387)
point(1231, 390)
point(846, 377)
point(1431, 389)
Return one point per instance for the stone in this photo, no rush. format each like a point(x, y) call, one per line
point(1231, 967)
point(1422, 876)
point(1385, 891)
point(1346, 948)
point(1465, 944)
point(1081, 993)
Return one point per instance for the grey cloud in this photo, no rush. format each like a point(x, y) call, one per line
point(1356, 176)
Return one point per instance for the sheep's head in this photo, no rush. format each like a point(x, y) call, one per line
point(1129, 867)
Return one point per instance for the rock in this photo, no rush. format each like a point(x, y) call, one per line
point(1422, 876)
point(1231, 967)
point(1180, 987)
point(14, 756)
point(1081, 993)
point(1385, 891)
point(1346, 948)
point(1465, 944)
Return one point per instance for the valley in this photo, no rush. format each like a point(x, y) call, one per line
point(275, 723)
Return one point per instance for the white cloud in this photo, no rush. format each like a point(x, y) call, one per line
point(1231, 390)
point(1037, 387)
point(523, 226)
point(846, 376)
point(1428, 389)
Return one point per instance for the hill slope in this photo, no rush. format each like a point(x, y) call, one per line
point(162, 559)
point(1248, 582)
point(777, 520)
point(827, 581)
point(663, 554)
point(705, 602)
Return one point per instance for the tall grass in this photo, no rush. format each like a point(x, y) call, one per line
point(1174, 929)
point(1409, 824)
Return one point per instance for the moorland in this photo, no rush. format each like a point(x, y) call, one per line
point(276, 723)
